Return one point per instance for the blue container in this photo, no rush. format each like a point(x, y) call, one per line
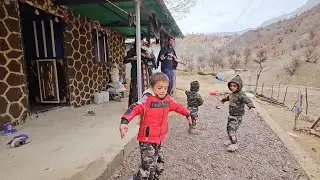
point(8, 129)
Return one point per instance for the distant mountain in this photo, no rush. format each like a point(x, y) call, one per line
point(307, 6)
point(277, 19)
point(239, 33)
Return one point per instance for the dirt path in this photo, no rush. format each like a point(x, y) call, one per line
point(261, 154)
point(285, 118)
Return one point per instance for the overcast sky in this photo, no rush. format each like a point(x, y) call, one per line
point(210, 16)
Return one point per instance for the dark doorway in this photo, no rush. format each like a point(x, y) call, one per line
point(46, 68)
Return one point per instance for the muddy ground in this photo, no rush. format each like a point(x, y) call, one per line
point(261, 154)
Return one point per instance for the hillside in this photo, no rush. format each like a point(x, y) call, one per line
point(307, 6)
point(288, 44)
point(238, 33)
point(200, 50)
point(291, 47)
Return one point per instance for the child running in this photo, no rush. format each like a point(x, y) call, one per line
point(194, 100)
point(236, 110)
point(153, 110)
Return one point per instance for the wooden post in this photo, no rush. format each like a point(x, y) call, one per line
point(272, 92)
point(278, 92)
point(314, 125)
point(295, 104)
point(301, 96)
point(262, 89)
point(307, 104)
point(285, 95)
point(298, 111)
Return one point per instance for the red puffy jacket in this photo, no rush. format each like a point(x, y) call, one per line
point(153, 113)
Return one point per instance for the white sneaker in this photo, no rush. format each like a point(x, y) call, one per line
point(233, 147)
point(227, 142)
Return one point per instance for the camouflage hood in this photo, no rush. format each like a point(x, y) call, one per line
point(194, 86)
point(238, 81)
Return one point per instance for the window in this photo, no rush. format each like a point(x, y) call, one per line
point(100, 44)
point(47, 38)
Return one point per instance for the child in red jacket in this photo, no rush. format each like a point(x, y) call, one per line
point(153, 111)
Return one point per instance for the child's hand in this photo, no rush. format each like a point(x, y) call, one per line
point(123, 130)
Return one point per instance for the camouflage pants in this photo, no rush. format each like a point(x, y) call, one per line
point(232, 127)
point(194, 117)
point(152, 161)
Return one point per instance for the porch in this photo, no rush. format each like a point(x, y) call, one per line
point(67, 144)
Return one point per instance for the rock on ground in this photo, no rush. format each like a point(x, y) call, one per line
point(261, 155)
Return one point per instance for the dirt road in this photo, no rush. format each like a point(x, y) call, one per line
point(261, 154)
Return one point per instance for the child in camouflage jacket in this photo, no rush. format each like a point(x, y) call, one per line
point(194, 100)
point(236, 110)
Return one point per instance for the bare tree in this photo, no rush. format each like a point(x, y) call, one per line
point(308, 54)
point(314, 42)
point(312, 34)
point(222, 63)
point(294, 46)
point(201, 63)
point(315, 57)
point(261, 57)
point(189, 59)
point(234, 62)
point(280, 39)
point(238, 54)
point(232, 52)
point(294, 65)
point(215, 59)
point(247, 56)
point(179, 8)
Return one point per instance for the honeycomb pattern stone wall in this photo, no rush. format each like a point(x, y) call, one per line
point(84, 74)
point(13, 91)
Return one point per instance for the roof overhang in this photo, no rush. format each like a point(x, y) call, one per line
point(119, 15)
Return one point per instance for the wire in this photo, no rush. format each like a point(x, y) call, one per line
point(253, 10)
point(118, 7)
point(241, 14)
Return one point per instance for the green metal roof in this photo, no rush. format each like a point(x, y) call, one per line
point(112, 17)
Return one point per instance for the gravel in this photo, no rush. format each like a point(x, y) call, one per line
point(261, 155)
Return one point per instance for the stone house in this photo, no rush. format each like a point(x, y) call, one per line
point(52, 54)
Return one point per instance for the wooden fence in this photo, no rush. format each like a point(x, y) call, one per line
point(301, 99)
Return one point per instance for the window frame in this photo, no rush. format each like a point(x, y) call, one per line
point(46, 38)
point(100, 46)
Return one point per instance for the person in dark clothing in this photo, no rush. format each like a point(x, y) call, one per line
point(152, 64)
point(194, 100)
point(236, 110)
point(169, 62)
point(132, 58)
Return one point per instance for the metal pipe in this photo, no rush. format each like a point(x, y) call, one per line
point(138, 49)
